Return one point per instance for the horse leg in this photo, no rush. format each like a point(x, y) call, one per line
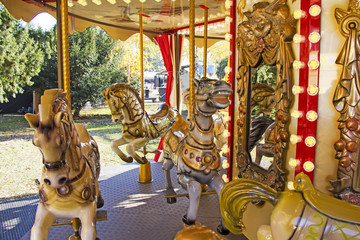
point(217, 184)
point(43, 221)
point(194, 190)
point(258, 154)
point(99, 199)
point(167, 166)
point(115, 147)
point(88, 221)
point(132, 146)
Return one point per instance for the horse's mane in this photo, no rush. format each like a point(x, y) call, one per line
point(115, 88)
point(52, 102)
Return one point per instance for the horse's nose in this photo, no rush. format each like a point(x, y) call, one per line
point(116, 120)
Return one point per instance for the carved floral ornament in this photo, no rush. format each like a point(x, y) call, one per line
point(266, 36)
point(346, 101)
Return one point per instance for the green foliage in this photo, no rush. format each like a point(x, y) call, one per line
point(92, 69)
point(264, 74)
point(20, 56)
point(48, 76)
point(220, 70)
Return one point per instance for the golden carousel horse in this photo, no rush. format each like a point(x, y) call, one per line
point(138, 127)
point(69, 182)
point(191, 148)
point(305, 213)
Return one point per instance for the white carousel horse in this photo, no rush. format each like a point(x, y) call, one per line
point(220, 124)
point(69, 182)
point(138, 127)
point(191, 148)
point(305, 213)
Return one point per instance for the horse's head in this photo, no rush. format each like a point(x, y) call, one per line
point(211, 95)
point(116, 103)
point(51, 138)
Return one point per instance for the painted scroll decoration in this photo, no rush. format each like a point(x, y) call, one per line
point(346, 101)
point(265, 37)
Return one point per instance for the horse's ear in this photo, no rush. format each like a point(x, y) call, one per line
point(32, 119)
point(57, 119)
point(103, 93)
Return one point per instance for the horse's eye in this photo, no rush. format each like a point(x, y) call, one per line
point(114, 102)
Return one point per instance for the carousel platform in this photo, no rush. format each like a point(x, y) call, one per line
point(135, 211)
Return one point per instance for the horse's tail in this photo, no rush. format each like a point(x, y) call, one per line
point(236, 195)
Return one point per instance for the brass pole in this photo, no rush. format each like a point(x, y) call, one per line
point(205, 39)
point(177, 68)
point(142, 59)
point(144, 169)
point(192, 55)
point(63, 47)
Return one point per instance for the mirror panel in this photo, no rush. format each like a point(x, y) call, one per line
point(264, 44)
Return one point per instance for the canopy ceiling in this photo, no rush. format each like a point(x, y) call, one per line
point(121, 20)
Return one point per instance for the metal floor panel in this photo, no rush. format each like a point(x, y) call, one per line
point(136, 211)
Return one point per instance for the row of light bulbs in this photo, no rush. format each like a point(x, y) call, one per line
point(98, 2)
point(312, 90)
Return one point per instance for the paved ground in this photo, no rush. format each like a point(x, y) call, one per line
point(135, 211)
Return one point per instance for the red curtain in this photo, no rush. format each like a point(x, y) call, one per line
point(166, 43)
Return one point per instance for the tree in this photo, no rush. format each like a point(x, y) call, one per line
point(48, 76)
point(220, 70)
point(20, 56)
point(92, 66)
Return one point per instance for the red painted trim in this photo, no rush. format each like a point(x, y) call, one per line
point(203, 7)
point(144, 15)
point(196, 25)
point(307, 77)
point(231, 80)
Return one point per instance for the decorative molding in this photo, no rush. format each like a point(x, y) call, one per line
point(265, 36)
point(346, 101)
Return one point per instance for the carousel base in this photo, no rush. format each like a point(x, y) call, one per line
point(135, 210)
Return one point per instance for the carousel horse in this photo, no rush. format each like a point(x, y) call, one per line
point(191, 148)
point(305, 213)
point(138, 127)
point(220, 124)
point(69, 182)
point(263, 126)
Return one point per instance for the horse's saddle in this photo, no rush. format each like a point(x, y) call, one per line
point(162, 112)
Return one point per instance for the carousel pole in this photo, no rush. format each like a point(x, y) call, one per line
point(205, 38)
point(192, 55)
point(144, 170)
point(63, 47)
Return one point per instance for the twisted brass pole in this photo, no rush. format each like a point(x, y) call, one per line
point(63, 47)
point(142, 59)
point(192, 55)
point(205, 39)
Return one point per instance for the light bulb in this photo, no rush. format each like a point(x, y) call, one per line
point(308, 166)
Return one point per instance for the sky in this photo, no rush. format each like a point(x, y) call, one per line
point(43, 20)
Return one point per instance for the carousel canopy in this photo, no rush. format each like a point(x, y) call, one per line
point(120, 18)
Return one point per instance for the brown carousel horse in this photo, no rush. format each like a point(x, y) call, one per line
point(69, 182)
point(263, 126)
point(138, 127)
point(191, 148)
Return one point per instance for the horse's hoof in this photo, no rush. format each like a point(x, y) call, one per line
point(222, 230)
point(129, 159)
point(171, 200)
point(187, 221)
point(99, 202)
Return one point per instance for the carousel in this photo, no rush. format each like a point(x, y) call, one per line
point(283, 166)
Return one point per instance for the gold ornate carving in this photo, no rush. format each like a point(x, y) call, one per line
point(346, 101)
point(265, 36)
point(318, 216)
